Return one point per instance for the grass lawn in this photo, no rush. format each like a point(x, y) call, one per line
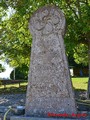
point(13, 85)
point(13, 89)
point(80, 83)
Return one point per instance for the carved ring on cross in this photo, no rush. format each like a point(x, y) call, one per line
point(48, 20)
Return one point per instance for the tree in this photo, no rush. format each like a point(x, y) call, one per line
point(78, 19)
point(21, 73)
point(81, 55)
point(16, 39)
point(81, 28)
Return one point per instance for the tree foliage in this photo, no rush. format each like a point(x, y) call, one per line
point(21, 73)
point(16, 40)
point(80, 54)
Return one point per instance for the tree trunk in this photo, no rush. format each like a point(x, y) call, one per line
point(88, 90)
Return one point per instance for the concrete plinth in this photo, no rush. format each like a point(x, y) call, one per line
point(81, 115)
point(38, 118)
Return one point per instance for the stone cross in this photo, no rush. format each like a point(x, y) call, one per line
point(49, 84)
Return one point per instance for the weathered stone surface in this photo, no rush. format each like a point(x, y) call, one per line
point(49, 85)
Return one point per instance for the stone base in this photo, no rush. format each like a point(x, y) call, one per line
point(38, 118)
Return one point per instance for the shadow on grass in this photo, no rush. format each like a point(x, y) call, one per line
point(13, 90)
point(80, 93)
point(81, 100)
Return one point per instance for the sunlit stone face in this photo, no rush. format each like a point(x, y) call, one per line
point(49, 85)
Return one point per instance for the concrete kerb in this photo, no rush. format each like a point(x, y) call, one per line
point(51, 118)
point(37, 118)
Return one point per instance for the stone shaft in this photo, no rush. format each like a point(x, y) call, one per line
point(49, 84)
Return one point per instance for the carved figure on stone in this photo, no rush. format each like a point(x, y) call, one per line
point(48, 21)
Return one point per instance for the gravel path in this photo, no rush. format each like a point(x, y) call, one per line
point(16, 100)
point(12, 99)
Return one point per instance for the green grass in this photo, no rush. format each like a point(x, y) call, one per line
point(13, 89)
point(13, 85)
point(80, 83)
